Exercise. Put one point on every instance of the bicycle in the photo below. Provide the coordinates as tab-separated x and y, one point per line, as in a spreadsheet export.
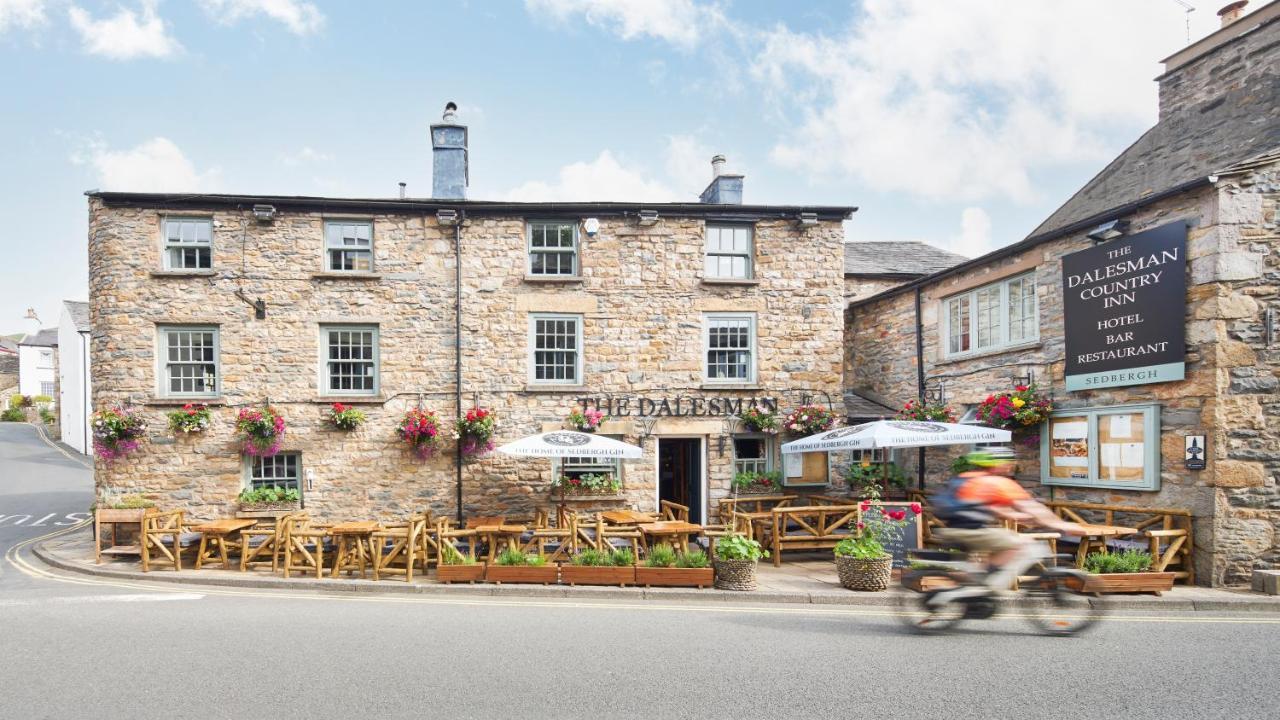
947	591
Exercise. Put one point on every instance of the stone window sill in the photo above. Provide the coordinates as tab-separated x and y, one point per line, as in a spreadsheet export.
730	386
348	399
157	401
990	353
747	282
372	277
552	279
535	388
183	273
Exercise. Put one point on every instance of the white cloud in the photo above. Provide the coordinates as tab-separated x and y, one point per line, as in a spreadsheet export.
601	179
21	14
301	18
975	234
680	22
156	165
125	35
307	155
966	99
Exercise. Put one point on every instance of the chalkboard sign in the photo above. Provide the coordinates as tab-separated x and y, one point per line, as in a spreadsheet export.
912	534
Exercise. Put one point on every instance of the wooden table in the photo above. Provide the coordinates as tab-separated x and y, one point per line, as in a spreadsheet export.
355	545
1095	538
501	533
627	517
487	520
214	536
678	530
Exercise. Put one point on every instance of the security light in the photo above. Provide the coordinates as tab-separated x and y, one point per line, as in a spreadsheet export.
264	213
447	217
1109	230
648	217
808	218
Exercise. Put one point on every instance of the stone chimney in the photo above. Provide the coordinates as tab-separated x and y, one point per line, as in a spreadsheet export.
1232	59
449	169
725	188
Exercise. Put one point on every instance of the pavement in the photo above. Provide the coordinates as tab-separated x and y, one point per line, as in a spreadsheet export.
90	645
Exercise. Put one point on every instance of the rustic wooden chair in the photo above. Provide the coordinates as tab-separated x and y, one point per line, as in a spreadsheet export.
673	511
395	546
616	537
456	539
157	527
262	545
562	541
303	545
813	527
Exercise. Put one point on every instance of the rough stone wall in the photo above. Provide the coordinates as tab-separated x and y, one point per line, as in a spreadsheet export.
640	295
1224	274
1232	65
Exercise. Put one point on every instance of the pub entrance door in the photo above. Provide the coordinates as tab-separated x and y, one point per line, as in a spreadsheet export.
680	474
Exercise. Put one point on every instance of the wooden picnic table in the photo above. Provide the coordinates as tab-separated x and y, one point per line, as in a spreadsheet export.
486	520
501	534
678	530
1095	538
627	517
355	545
214	535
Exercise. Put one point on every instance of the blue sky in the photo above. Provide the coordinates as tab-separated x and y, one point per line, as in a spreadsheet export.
962	123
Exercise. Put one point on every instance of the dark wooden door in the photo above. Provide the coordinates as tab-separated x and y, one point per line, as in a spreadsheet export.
680	473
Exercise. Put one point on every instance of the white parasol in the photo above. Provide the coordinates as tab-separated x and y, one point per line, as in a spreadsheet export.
568	443
895	434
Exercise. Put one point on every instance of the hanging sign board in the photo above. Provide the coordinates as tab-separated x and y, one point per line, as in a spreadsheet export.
1124	310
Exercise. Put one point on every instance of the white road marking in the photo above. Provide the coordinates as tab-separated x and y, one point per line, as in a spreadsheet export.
96	599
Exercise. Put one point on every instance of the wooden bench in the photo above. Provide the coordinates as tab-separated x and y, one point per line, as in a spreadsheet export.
1166	533
810	527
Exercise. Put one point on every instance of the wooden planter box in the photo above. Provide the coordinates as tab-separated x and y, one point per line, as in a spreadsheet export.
109	515
675	577
597	575
926	583
1152	582
460	573
538	574
270	507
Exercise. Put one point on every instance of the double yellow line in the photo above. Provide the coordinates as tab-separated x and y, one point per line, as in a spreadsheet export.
14	557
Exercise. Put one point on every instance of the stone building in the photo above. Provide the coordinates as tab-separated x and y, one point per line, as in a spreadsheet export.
1208	175
671	318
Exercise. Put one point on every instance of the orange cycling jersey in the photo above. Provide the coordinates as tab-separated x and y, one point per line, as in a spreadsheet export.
984	489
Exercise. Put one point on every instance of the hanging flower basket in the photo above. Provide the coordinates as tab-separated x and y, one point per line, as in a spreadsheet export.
344	417
261	431
586	420
809	420
474	432
192	418
757	420
1021	412
420	429
926	412
117	432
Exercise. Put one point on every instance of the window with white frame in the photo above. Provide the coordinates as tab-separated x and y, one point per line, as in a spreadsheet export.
348	246
729	252
874	456
576	467
730	341
188	243
350	359
553	248
992	316
751	455
188	361
46	388
281	471
555	349
46	359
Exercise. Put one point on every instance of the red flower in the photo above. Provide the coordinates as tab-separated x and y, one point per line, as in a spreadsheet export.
861	525
898	515
915	508
1021	388
865	505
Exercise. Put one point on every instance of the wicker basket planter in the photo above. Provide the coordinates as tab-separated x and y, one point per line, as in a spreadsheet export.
675	577
736	574
597	575
859	574
533	574
470	573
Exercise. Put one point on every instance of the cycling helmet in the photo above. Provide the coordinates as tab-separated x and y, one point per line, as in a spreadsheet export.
990	457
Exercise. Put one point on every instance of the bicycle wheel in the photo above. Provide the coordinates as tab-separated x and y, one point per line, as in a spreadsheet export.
916	612
1057	608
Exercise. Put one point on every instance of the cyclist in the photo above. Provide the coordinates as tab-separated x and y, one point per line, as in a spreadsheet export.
974	504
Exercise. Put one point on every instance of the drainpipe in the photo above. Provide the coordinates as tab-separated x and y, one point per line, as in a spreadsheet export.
84	389
457	345
919	385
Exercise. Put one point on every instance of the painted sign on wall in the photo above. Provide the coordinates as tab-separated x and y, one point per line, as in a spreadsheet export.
1124	307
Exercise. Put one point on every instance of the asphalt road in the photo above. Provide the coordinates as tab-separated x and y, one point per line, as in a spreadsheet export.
74	647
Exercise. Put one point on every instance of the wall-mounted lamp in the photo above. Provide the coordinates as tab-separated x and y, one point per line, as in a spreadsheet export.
807	218
648	217
1029	379
1109	231
937	394
591	226
264	213
445	216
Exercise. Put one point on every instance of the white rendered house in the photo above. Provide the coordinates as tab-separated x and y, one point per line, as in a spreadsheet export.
74	400
38	365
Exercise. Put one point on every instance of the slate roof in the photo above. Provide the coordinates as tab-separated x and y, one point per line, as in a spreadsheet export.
8	364
909	258
8	345
858	406
79	313
47	337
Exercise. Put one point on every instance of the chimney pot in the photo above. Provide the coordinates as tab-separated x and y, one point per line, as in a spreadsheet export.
449	167
1232	12
717	165
402	190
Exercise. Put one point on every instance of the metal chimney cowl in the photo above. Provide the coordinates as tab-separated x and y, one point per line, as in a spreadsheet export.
450	173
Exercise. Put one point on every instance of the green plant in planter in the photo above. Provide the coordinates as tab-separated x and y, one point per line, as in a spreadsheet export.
869	480
13	414
590	557
661	556
1127	561
513	557
449	555
757	482
268	496
124	502
878	528
622	557
693	559
739	547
